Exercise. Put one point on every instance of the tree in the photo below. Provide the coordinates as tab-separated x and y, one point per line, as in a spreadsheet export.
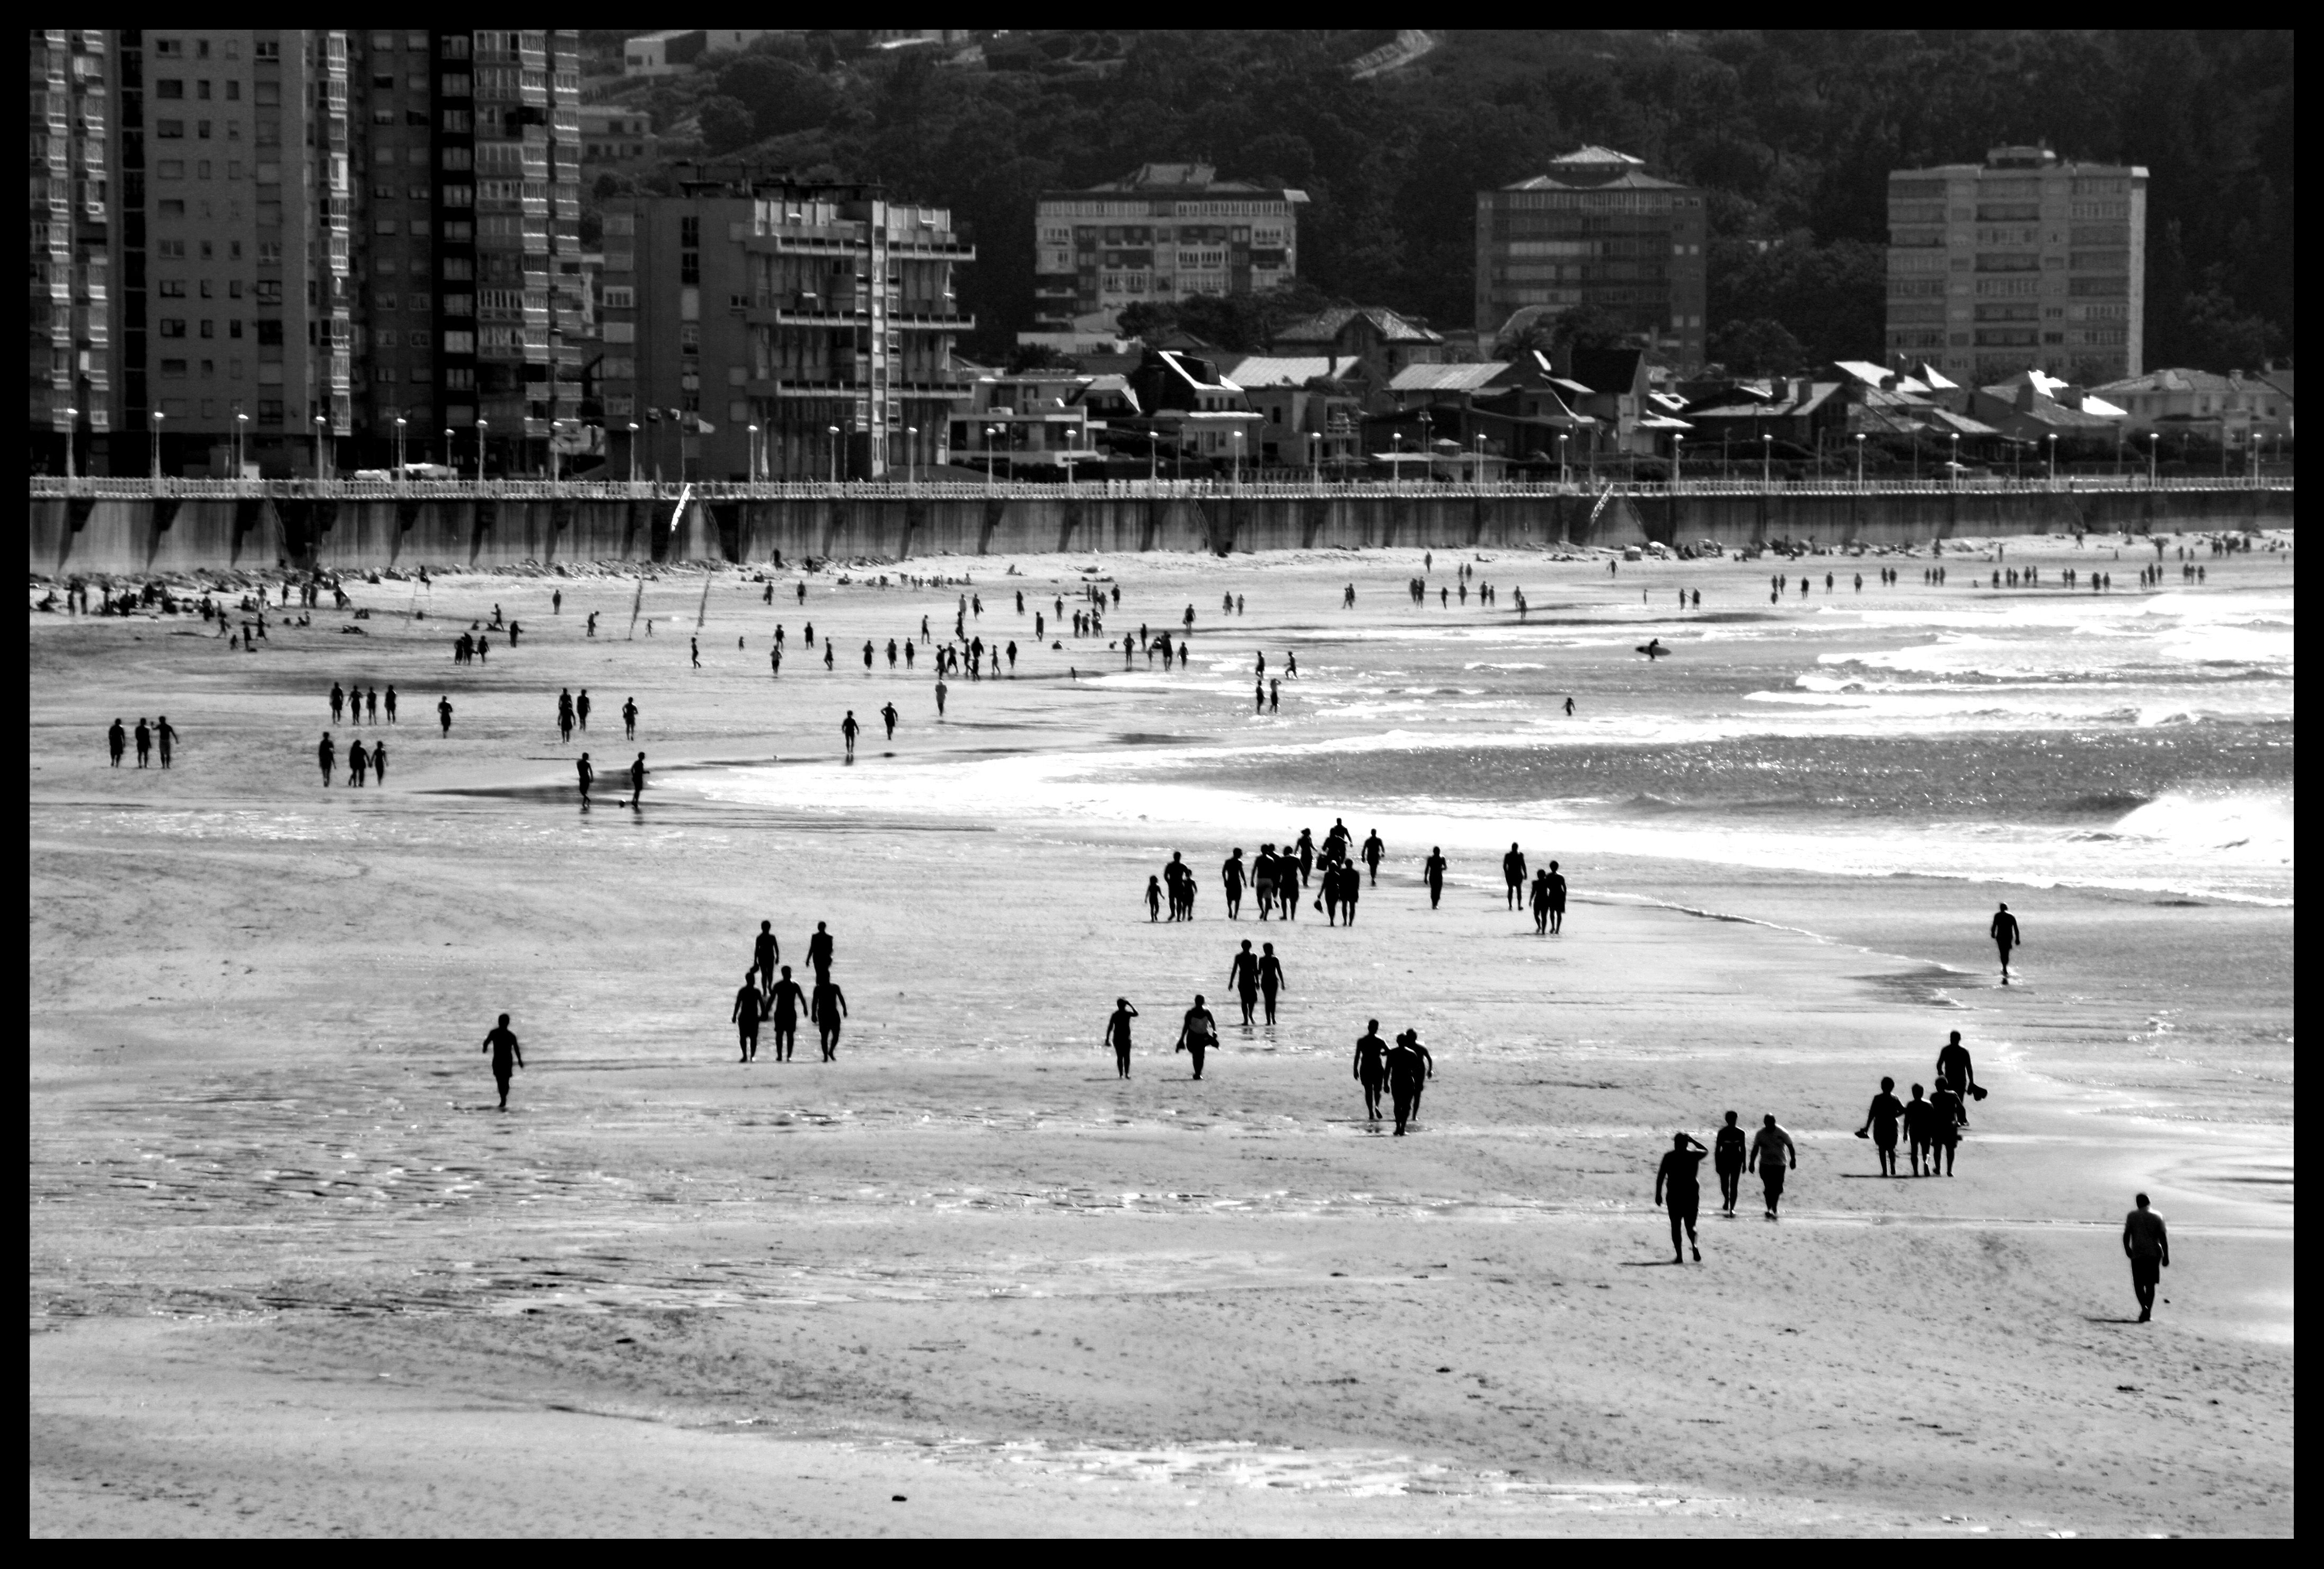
1036	356
1758	347
726	126
782	96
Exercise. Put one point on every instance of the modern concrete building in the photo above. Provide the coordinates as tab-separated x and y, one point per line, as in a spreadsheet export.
75	388
2022	261
1156	235
612	136
823	314
1596	229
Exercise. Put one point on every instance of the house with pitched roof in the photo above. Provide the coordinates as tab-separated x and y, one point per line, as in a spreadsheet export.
1381	341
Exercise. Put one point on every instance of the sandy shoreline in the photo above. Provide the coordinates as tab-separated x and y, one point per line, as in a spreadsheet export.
288	1273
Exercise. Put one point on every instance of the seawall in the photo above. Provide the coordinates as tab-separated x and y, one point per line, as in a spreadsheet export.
131	534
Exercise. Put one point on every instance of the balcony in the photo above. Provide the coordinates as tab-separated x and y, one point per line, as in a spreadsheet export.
930	321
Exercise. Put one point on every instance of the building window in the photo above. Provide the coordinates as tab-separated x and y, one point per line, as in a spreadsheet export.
173	327
173	368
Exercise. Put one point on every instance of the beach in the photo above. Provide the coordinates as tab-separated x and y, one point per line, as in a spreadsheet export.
292	1272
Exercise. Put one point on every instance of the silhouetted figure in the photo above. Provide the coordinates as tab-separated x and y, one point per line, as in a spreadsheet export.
766	952
507	1056
1773	1152
750	1008
116	742
1409	1068
1880	1120
783	1005
1556	901
2147	1245
1242	975
820	951
1680	1178
1271	979
1369	1067
638	773
827	1006
1198	1033
1434	869
1233	873
888	712
2004	932
1727	1161
1117	1027
165	736
1373	851
325	754
1919	1131
849	730
1513	875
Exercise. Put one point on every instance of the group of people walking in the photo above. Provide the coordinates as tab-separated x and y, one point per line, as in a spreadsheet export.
117	739
770	995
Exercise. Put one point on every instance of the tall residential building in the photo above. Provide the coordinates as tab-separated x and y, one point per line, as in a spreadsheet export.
1597	229
823	314
470	171
75	318
2024	261
228	213
1162	233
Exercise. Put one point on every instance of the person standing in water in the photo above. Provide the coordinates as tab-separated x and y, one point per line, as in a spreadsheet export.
1727	1161
887	714
2146	1243
848	731
1117	1034
1880	1121
2004	935
1680	1175
507	1056
1771	1150
750	1008
1197	1034
1434	870
1370	1067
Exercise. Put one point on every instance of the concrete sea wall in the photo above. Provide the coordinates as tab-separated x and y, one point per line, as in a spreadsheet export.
119	535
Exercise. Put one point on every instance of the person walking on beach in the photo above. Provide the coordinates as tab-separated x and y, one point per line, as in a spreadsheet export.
1727	1161
586	774
1409	1068
783	1007
1919	1132
1154	900
1231	873
1945	1118
1556	901
1539	899
379	763
693	650
1434	870
2004	932
580	706
1513	875
1117	1034
887	714
1197	1034
325	754
750	1008
849	730
444	714
1880	1121
1374	849
164	736
145	743
629	718
1680	1176
1243	976
507	1056
2147	1245
338	701
827	1006
1370	1067
819	951
637	771
1271	979
765	953
371	705
1352	886
1773	1152
358	763
116	742
941	691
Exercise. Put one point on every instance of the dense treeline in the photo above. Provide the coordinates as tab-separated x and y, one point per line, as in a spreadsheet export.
1793	132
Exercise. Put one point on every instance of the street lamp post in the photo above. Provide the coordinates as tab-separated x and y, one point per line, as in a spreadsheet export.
834	454
634	452
553	425
1860	460
911	456
483	429
1766	461
752	461
320	422
154	419
1953	468
399	423
989	432
2053	460
1236	436
72	425
2152	458
1678	462
1563	477
241	443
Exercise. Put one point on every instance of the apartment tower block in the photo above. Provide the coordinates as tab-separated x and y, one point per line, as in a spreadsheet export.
2022	261
1156	235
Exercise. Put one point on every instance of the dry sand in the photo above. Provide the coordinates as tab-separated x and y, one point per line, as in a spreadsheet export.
290	1273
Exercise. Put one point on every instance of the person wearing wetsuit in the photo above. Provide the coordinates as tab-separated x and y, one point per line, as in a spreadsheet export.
2005	934
1117	1033
783	1006
750	1008
1556	901
2146	1243
1434	870
1408	1069
1270	979
507	1056
828	1006
1370	1067
1243	976
1513	875
1881	1121
1198	1033
1231	873
1727	1160
765	953
1680	1176
1373	851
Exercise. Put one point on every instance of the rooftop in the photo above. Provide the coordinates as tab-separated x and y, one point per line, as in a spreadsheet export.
1326	327
1466	378
1595	168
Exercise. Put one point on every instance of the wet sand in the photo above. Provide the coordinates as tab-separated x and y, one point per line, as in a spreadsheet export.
292	1273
